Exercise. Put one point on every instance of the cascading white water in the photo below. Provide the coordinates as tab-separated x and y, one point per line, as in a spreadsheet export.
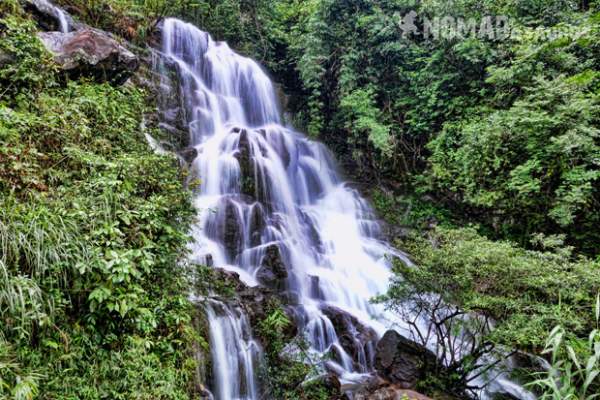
324	233
272	208
60	15
234	352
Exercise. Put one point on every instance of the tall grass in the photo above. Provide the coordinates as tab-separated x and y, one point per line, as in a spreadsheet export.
575	365
38	251
15	383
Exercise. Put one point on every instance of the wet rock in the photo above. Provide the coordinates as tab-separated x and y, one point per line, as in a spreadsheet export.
244	158
188	154
355	338
202	357
530	362
274	261
232	235
5	59
402	361
315	288
47	15
393	232
253	300
290	297
311	231
91	53
253	183
257	225
257	302
178	135
172	110
272	272
229	278
155	35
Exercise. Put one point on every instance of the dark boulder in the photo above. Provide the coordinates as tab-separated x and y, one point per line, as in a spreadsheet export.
188	155
272	272
232	233
402	361
91	53
257	224
244	158
356	339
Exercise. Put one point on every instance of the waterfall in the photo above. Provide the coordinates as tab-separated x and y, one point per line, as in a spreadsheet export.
273	208
61	16
235	354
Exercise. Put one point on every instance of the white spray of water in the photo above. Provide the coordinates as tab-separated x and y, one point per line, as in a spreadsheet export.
267	193
59	14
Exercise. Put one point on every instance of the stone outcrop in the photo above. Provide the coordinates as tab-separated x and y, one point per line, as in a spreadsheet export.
171	112
232	235
355	338
272	272
402	361
188	155
91	53
244	158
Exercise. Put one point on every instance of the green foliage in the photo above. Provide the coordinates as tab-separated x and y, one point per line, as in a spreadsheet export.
289	367
131	19
575	365
25	65
527	292
360	113
15	383
92	239
409	211
503	132
532	166
208	281
525	161
376	96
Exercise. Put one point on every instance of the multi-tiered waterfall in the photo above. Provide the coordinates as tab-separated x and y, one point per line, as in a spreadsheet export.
272	208
267	191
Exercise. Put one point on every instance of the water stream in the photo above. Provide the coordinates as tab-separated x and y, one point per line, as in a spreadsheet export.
61	16
274	209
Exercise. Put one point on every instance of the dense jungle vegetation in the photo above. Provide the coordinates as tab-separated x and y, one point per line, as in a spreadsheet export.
486	151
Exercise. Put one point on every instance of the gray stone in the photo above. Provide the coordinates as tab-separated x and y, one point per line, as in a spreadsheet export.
91	53
356	339
402	361
272	272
